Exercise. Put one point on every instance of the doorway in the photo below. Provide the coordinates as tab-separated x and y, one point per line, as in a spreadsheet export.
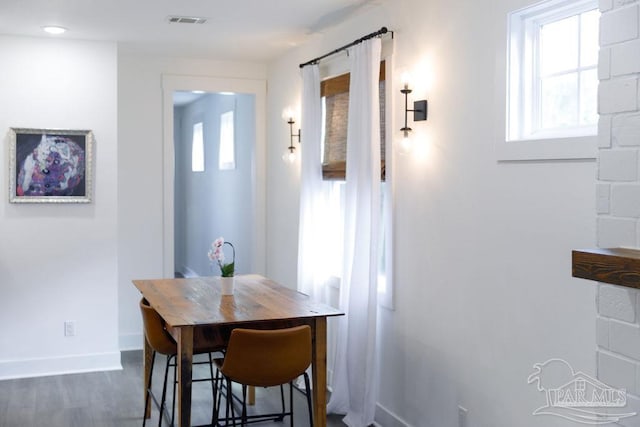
214	136
203	202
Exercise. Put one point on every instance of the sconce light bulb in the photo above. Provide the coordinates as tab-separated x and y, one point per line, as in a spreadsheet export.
287	114
406	79
289	155
406	143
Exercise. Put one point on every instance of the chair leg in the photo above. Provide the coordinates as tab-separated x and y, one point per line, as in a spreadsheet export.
216	392
163	401
213	386
307	387
291	402
230	403
244	406
281	417
147	395
218	402
175	384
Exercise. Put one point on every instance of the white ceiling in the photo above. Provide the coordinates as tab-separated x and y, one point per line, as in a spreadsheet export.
252	30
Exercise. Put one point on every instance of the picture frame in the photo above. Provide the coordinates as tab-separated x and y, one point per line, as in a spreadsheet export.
50	165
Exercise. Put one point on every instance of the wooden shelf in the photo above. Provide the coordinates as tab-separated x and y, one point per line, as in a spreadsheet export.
618	266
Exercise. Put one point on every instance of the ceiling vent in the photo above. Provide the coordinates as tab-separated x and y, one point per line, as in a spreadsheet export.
186	20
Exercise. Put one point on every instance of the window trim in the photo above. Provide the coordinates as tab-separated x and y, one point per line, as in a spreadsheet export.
575	148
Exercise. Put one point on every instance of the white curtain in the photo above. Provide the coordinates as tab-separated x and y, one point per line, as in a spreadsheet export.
354	376
310	236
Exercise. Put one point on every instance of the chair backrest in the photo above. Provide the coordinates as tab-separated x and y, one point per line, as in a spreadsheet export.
154	331
265	358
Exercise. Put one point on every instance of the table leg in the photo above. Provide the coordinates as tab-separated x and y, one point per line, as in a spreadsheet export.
146	354
252	396
185	364
319	371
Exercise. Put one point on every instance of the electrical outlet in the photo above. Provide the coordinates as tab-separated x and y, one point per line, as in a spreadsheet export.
462	416
69	328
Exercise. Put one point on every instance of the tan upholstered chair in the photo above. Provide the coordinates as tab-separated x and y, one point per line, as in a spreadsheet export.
265	358
161	342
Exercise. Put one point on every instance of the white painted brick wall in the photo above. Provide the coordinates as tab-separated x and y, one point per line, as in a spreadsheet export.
602	332
604	131
621	3
618	95
618	194
624	338
616	302
603	198
625	129
625	58
618	165
604	63
605	5
617	371
619	25
615	232
625	200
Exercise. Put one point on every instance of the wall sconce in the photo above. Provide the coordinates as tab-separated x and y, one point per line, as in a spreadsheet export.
419	113
289	155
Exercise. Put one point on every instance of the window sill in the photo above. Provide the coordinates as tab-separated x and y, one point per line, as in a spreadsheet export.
582	147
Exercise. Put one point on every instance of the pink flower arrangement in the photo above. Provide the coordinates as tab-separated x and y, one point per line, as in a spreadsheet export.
216	254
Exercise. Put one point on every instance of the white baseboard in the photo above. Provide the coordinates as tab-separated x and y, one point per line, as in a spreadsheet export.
12	369
130	342
386	418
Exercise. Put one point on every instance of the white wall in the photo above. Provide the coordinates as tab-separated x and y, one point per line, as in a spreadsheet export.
59	262
214	202
140	170
483	265
618	194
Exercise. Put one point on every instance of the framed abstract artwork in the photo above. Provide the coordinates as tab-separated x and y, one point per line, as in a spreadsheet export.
50	166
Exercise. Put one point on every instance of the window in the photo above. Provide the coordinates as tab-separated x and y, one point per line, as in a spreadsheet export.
335	107
227	155
568	79
332	255
197	148
552	73
335	104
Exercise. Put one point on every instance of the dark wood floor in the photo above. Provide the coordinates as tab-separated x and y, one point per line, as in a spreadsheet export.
114	399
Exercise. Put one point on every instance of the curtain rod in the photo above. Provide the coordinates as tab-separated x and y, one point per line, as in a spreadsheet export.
380	32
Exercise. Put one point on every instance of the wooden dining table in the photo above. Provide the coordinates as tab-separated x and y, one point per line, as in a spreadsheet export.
195	307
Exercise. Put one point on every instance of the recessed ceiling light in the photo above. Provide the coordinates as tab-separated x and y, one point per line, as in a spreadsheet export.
53	29
197	92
